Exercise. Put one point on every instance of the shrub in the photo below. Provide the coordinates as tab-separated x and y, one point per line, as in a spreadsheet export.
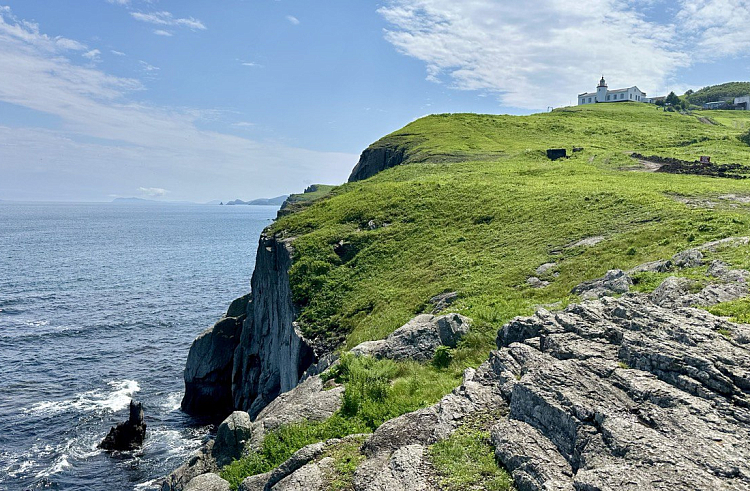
443	357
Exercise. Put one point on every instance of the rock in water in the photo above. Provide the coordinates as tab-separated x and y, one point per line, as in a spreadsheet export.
128	435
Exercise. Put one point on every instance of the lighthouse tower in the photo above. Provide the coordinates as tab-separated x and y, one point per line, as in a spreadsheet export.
601	91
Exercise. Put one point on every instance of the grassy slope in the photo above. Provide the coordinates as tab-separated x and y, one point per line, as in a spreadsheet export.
482	227
723	92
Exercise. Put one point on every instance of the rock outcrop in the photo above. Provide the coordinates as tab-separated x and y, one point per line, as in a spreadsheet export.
256	351
418	339
272	355
377	159
208	371
129	435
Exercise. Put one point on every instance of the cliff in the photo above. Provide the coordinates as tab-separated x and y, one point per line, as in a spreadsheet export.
590	341
255	352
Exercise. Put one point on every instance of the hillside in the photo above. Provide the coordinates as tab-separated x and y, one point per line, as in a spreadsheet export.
723	92
472	205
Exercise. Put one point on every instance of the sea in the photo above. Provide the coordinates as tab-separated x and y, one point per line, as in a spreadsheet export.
99	304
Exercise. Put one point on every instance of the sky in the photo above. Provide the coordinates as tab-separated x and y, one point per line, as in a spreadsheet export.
215	100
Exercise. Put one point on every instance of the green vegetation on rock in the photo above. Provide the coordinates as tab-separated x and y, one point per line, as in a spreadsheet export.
723	92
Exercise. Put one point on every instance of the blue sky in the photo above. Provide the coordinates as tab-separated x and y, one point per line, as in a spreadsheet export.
200	100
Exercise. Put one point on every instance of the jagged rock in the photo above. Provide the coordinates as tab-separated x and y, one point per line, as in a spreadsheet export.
676	291
546	268
653	267
377	159
403	470
615	281
671	291
255	483
231	437
208	482
309	401
726	242
272	354
535	282
129	435
418	339
688	259
208	371
587	242
443	301
655	426
200	462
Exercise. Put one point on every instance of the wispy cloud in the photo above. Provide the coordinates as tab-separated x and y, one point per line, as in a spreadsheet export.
292	19
105	142
147	66
119	2
167	19
117	53
94	55
534	54
162	32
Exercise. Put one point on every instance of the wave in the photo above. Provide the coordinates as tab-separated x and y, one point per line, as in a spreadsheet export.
94	400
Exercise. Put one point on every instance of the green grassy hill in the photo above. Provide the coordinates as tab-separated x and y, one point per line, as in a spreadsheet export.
723	92
476	209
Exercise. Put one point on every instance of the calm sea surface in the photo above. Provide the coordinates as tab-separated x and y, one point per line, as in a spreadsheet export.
99	303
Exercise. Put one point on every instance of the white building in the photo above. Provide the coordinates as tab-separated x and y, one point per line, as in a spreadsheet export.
603	94
742	102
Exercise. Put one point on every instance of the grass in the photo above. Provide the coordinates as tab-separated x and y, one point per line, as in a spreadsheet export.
466	461
476	209
375	391
737	310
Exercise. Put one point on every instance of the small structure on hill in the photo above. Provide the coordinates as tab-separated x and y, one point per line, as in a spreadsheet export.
603	94
715	105
742	103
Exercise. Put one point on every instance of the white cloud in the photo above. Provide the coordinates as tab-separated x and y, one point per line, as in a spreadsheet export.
119	2
162	32
251	64
293	20
720	27
117	53
167	19
93	55
533	54
152	192
102	142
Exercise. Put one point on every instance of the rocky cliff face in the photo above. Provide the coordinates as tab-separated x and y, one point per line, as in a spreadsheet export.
376	159
255	352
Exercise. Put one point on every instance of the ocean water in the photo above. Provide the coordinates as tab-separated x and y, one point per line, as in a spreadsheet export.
99	303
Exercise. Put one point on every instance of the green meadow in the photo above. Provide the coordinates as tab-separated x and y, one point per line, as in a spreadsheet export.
476	208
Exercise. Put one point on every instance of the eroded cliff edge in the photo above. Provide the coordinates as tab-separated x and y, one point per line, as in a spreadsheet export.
255	352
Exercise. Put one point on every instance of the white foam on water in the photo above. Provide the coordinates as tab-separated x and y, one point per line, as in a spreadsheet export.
60	464
116	399
172	402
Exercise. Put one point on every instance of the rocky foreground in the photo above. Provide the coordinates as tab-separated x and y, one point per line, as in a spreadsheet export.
636	392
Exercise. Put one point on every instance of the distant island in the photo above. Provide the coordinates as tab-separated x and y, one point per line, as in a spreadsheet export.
277	201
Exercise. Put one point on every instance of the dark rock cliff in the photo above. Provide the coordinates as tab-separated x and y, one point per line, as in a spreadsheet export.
255	352
377	159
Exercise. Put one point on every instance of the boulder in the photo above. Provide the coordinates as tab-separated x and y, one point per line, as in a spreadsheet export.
442	301
535	282
231	437
208	371
199	463
546	268
129	435
208	482
616	281
418	339
688	259
255	483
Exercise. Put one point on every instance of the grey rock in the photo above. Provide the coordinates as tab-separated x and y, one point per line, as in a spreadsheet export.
272	354
300	458
418	339
672	291
688	259
653	267
231	437
306	402
255	483
129	435
200	462
623	394
724	243
587	242
208	482
616	281
443	301
239	306
307	478
676	292
377	158
403	470
535	282
546	268
208	371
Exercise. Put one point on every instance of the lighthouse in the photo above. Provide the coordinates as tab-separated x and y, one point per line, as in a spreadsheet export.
601	90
